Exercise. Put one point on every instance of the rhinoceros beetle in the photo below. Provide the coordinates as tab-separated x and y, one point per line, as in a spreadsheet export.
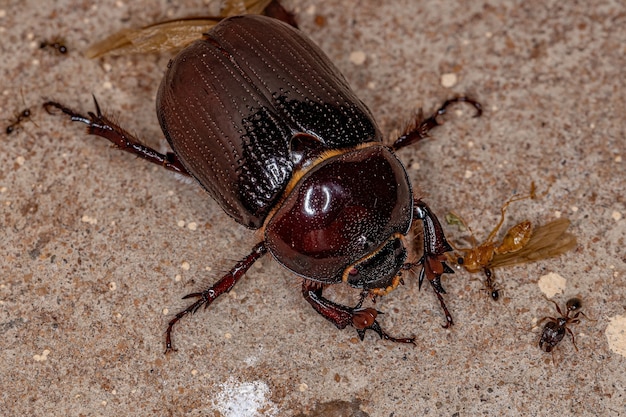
262	119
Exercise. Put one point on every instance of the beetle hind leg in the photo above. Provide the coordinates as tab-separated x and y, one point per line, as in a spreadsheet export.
100	125
361	319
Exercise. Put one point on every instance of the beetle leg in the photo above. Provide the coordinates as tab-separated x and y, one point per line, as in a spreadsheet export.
435	248
225	284
420	129
361	319
277	11
100	125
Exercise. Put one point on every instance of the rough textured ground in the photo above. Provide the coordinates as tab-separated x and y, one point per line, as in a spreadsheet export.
98	247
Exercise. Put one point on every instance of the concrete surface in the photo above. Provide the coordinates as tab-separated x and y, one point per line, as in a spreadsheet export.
99	247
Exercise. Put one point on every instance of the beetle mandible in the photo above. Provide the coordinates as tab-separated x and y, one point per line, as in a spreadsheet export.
262	119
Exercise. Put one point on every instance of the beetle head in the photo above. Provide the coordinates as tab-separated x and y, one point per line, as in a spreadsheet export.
378	270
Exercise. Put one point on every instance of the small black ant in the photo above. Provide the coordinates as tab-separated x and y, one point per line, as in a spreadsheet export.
57	45
490	285
554	330
19	118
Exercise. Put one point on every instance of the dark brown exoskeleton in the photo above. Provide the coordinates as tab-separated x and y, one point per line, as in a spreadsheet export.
269	127
555	328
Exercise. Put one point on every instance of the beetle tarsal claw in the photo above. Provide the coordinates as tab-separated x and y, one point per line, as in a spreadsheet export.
365	319
383	335
74	116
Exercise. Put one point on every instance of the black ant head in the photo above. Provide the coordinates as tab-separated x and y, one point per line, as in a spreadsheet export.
574	304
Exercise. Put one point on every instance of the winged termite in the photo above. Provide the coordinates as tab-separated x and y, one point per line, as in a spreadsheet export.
521	244
176	34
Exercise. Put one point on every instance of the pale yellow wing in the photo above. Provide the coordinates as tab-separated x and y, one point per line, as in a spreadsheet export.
547	241
171	35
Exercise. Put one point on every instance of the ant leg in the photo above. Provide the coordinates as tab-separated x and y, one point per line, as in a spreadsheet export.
419	130
540	322
100	125
555	305
225	284
361	319
573	339
531	195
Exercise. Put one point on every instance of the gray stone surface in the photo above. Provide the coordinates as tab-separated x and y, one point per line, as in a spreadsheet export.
99	247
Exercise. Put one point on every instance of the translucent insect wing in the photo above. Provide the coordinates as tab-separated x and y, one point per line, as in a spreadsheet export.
547	241
170	35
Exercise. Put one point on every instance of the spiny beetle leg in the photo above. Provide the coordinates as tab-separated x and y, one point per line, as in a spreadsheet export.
433	260
420	129
361	319
100	125
225	284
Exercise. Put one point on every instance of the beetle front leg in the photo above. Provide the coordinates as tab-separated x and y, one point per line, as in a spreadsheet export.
225	284
433	259
361	319
420	129
100	125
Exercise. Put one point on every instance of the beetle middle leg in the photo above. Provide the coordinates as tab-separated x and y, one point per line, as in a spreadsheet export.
100	125
361	319
225	284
